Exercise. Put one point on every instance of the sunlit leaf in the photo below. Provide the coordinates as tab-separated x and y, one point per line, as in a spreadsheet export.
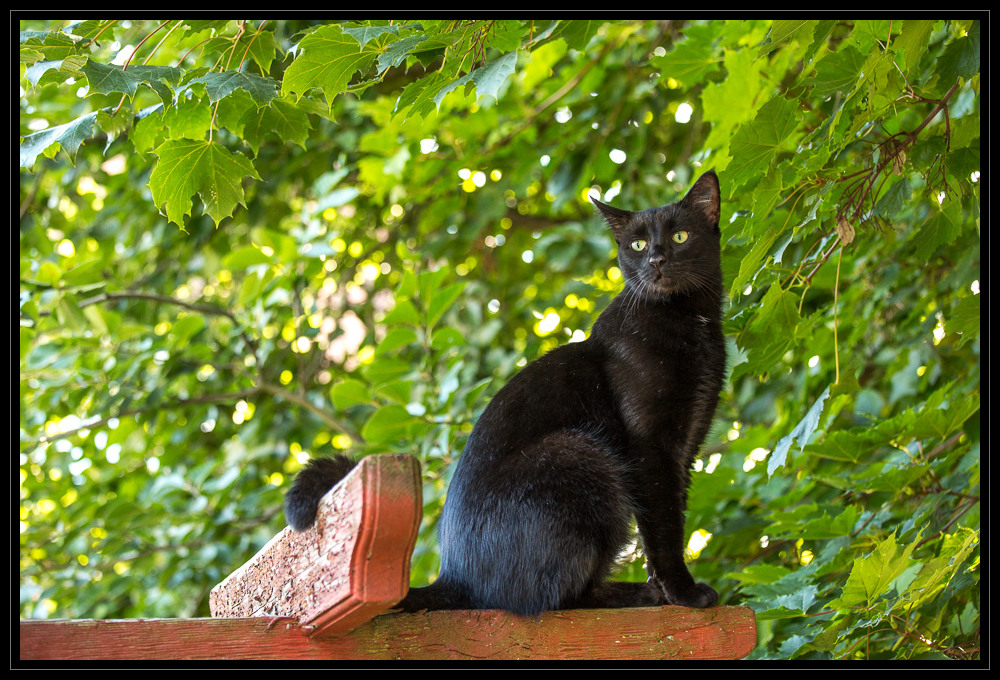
189	167
872	576
755	144
801	433
328	61
69	136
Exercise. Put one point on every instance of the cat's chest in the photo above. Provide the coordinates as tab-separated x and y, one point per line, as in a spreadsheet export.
661	377
665	361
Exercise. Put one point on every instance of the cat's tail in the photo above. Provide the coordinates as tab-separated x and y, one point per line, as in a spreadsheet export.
310	485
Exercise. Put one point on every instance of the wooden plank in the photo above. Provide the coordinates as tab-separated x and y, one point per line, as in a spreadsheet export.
653	633
352	564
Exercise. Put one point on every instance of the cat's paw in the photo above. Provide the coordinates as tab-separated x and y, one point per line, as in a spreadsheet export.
699	595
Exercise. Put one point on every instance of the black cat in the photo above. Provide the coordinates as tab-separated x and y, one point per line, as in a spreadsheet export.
586	437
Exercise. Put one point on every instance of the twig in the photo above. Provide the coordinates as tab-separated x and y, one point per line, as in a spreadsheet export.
180	403
202	308
333	423
896	145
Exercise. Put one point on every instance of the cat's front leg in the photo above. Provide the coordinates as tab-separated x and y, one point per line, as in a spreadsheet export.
660	520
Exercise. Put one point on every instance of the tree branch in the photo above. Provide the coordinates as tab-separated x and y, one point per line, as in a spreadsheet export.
329	420
201	308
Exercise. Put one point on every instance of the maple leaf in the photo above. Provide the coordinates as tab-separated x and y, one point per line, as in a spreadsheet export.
329	60
187	167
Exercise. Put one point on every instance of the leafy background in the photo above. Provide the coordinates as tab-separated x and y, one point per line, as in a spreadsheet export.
245	243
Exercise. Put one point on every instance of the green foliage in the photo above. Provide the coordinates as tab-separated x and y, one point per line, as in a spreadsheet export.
247	243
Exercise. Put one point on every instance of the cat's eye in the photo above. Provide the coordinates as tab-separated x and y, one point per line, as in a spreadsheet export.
638	245
680	237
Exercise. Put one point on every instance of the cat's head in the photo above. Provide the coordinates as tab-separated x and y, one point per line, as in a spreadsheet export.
673	249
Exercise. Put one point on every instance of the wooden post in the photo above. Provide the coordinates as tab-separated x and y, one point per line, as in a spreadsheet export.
352	564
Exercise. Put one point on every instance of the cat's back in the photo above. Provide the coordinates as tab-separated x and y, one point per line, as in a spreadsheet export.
564	388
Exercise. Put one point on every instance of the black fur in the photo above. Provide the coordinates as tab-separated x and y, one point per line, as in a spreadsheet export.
310	485
588	436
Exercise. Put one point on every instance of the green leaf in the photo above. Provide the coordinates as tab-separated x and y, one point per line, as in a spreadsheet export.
894	200
964	319
756	144
365	33
935	574
442	300
802	433
961	59
788	596
403	312
69	136
281	119
691	60
245	257
47	46
418	98
577	33
185	327
56	71
731	102
838	71
942	227
220	85
912	42
446	337
783	31
396	338
872	576
187	167
396	52
487	79
328	61
387	369
387	424
108	79
350	392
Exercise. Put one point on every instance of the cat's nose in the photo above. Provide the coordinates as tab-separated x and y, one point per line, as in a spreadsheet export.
657	260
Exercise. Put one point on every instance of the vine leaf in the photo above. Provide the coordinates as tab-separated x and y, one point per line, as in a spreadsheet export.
399	50
365	33
691	60
784	31
577	33
281	119
837	72
187	167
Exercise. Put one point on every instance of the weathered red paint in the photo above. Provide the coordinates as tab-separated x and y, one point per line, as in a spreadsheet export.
655	633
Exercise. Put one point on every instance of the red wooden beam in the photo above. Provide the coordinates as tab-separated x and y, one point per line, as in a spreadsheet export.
653	633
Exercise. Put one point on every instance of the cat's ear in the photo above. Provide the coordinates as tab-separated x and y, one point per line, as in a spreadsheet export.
704	197
615	217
